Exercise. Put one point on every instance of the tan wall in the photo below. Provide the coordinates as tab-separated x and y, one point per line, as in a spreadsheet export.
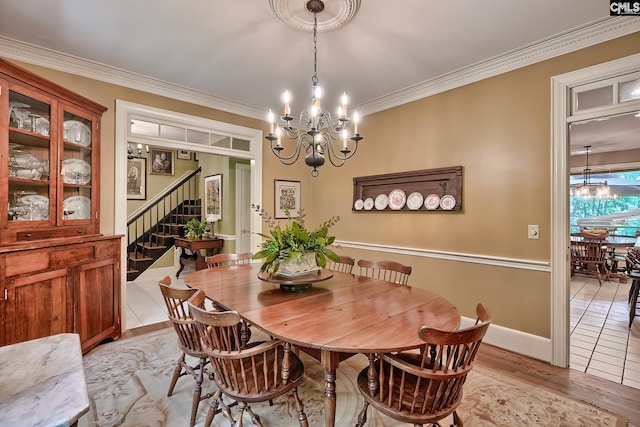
497	129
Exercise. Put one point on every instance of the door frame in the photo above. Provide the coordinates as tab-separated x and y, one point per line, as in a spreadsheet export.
242	215
123	115
560	171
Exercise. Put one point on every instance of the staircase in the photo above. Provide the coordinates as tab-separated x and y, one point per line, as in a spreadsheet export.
151	232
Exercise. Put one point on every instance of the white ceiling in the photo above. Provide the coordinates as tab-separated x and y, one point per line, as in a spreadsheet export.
241	52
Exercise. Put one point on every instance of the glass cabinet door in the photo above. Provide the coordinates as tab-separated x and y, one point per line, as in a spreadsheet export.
29	156
76	170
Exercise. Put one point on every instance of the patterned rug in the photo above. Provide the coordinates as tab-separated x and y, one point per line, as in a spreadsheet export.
128	380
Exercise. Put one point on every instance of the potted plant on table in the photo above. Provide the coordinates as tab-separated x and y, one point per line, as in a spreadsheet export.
293	248
196	228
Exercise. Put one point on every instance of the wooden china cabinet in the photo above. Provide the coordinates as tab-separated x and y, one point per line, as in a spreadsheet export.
58	273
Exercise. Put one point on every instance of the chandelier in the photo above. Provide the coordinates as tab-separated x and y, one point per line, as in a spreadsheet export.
315	131
601	189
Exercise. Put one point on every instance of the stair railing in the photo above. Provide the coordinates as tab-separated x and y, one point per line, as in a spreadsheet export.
146	226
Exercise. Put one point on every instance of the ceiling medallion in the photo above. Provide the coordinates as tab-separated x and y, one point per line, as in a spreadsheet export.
335	14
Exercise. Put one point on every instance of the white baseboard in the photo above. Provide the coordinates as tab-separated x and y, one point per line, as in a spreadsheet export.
519	342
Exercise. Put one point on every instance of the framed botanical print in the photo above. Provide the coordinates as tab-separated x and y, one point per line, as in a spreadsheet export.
184	154
136	179
161	161
213	197
287	198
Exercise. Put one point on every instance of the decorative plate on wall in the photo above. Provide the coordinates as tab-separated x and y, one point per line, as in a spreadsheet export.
414	201
368	204
431	202
448	202
397	199
358	205
381	202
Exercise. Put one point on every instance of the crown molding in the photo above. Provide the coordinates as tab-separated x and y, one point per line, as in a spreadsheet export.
591	34
36	55
596	32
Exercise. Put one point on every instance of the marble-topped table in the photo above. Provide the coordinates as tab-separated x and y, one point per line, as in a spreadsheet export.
42	382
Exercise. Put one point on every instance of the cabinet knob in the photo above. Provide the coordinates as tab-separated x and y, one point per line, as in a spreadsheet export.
28	235
79	231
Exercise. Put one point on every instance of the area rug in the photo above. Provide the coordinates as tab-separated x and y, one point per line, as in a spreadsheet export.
128	381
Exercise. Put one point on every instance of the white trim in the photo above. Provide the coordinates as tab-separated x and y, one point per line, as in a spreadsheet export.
560	279
33	54
450	256
123	113
516	341
596	32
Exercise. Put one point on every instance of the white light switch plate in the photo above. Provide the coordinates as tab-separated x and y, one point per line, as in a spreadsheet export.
533	232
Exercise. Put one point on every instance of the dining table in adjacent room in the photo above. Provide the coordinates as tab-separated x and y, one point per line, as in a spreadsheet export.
334	318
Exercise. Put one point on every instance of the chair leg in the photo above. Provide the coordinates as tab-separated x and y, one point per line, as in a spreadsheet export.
197	392
176	374
457	422
302	417
213	408
362	418
241	408
633	303
255	418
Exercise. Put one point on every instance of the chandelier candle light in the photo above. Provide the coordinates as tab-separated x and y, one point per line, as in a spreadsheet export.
316	131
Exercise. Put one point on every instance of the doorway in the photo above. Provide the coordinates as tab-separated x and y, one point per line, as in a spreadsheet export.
202	136
564	97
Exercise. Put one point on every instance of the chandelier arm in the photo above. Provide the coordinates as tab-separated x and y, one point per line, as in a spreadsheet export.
316	131
287	160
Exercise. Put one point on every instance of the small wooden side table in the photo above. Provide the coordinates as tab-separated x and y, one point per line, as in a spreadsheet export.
196	259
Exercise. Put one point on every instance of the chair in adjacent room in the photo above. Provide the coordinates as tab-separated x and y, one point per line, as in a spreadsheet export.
176	300
590	257
428	387
221	260
390	271
633	273
258	373
345	264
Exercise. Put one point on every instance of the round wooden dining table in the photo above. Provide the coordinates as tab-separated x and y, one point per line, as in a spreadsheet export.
331	320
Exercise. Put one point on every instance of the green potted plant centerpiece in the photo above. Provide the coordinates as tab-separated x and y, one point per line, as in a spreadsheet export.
293	248
196	228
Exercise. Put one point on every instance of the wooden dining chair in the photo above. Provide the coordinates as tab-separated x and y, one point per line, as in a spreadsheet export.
344	264
590	257
390	271
429	388
258	373
632	265
176	300
220	260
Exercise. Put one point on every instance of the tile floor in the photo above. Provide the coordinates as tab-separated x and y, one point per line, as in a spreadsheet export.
601	342
145	305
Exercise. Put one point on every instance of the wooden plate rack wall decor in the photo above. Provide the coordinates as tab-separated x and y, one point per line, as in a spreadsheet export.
440	181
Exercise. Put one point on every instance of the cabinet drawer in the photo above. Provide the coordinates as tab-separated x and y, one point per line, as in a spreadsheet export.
50	234
108	249
26	262
73	256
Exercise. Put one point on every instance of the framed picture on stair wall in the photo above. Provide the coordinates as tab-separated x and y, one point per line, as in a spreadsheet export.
136	179
213	197
161	162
